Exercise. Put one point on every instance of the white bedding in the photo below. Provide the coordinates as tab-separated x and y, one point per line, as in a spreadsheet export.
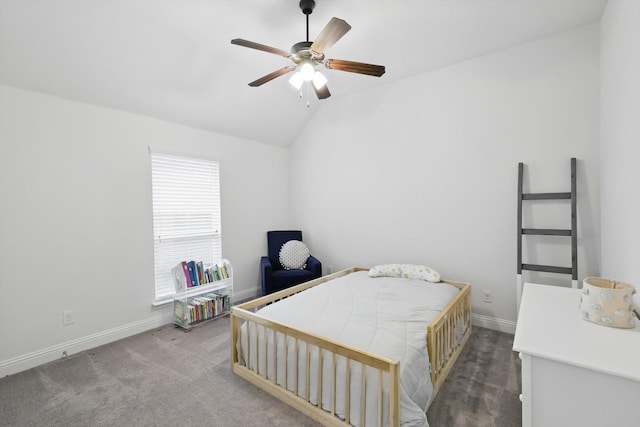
384	316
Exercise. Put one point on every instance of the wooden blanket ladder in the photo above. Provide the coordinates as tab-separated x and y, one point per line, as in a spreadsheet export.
573	270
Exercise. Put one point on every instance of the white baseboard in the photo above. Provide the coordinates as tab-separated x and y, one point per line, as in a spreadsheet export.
49	354
501	325
247	294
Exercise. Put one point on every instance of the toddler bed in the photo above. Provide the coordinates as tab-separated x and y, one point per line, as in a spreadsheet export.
347	349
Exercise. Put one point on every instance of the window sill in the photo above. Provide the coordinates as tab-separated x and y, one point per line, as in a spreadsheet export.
162	303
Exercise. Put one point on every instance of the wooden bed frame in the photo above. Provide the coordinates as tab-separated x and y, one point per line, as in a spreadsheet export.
442	343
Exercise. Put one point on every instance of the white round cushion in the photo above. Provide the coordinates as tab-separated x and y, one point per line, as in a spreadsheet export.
294	254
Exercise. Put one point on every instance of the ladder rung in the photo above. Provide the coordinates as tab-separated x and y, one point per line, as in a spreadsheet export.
546	232
545	196
547	268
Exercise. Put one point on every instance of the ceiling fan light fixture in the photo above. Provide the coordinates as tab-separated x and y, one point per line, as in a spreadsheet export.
307	55
307	71
296	80
319	80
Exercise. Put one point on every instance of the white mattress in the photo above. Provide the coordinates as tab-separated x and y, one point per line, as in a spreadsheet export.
384	316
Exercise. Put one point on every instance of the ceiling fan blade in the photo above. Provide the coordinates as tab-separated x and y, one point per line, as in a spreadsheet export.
355	67
330	34
271	76
262	47
323	92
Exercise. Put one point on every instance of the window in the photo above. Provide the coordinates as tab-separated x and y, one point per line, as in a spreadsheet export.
186	215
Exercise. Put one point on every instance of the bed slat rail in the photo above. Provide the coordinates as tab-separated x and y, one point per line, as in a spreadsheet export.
446	336
262	371
448	333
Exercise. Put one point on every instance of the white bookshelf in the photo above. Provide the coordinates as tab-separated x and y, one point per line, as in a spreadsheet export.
195	305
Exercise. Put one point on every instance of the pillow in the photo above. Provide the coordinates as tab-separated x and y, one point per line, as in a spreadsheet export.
411	271
386	270
294	254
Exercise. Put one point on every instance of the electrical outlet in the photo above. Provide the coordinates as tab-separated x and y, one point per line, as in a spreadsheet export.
486	296
68	317
329	269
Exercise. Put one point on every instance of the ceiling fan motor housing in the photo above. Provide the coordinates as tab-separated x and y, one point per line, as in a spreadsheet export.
302	51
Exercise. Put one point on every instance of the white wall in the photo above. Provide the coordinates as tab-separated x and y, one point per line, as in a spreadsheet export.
76	222
425	170
620	141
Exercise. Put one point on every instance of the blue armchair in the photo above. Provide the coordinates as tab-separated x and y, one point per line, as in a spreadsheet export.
274	276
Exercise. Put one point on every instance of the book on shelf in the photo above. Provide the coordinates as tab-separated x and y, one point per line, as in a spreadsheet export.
200	270
181	312
193	273
181	277
223	271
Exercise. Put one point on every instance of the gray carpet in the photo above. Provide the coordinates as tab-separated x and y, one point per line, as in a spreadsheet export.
482	389
167	377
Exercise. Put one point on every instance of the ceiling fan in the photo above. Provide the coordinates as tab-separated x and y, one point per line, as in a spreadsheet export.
306	55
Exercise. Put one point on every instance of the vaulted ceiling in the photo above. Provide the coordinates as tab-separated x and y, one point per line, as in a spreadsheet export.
173	59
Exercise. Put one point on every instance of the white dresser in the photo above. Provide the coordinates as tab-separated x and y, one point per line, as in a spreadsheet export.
574	373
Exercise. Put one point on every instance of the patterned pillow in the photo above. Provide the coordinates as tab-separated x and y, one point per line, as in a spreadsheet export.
294	254
411	271
385	270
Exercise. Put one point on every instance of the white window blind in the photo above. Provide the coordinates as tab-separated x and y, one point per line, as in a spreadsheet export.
186	215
